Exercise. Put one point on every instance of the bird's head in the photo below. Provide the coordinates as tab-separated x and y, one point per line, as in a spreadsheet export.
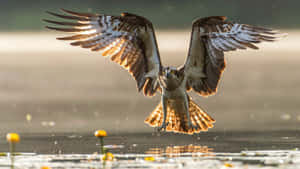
170	73
170	76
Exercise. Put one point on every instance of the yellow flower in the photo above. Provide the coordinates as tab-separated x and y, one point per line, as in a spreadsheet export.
149	159
13	137
100	133
3	154
108	157
228	165
45	167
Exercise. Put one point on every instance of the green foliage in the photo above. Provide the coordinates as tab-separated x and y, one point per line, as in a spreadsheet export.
27	15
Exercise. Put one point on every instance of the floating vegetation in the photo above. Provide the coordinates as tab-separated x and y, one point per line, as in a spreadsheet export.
101	134
108	157
12	139
246	159
149	159
175	156
228	165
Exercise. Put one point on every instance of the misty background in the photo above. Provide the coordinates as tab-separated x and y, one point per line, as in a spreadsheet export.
26	15
49	86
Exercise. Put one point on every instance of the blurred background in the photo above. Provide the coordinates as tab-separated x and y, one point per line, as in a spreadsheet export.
49	86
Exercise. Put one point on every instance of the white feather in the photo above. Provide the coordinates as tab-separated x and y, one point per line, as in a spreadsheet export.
216	43
234	43
212	42
88	32
245	37
224	43
218	28
227	42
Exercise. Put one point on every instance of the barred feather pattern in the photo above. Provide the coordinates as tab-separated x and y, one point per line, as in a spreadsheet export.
226	36
117	37
216	36
177	121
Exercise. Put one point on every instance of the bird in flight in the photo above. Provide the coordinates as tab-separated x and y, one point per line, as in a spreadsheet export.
130	41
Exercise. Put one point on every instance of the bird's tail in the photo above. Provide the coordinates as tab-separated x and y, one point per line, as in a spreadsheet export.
177	121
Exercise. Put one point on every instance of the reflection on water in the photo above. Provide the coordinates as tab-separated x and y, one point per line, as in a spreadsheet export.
179	151
287	159
209	150
164	144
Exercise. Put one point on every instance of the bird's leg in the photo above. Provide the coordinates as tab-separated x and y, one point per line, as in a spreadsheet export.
164	107
186	105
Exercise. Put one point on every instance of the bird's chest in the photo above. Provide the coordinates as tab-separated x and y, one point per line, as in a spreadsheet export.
176	94
175	99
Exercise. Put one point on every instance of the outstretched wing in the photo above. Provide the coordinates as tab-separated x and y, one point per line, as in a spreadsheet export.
128	40
211	37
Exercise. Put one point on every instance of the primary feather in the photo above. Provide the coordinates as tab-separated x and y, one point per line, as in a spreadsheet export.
128	40
211	37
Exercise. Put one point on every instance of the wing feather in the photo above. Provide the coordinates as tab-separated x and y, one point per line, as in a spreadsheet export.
77	37
71	30
128	40
69	17
66	23
211	37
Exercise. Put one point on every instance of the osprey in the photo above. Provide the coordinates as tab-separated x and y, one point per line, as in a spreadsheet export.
129	40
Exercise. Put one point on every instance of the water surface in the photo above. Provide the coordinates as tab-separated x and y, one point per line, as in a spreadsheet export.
140	143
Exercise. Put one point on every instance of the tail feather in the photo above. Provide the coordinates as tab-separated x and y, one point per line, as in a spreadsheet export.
178	122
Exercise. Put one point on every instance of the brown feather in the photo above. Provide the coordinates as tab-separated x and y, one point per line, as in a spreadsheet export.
131	59
177	121
114	49
208	85
66	23
69	17
80	14
147	86
74	30
106	52
250	45
98	47
118	55
259	29
77	37
124	57
131	56
92	46
240	46
209	20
